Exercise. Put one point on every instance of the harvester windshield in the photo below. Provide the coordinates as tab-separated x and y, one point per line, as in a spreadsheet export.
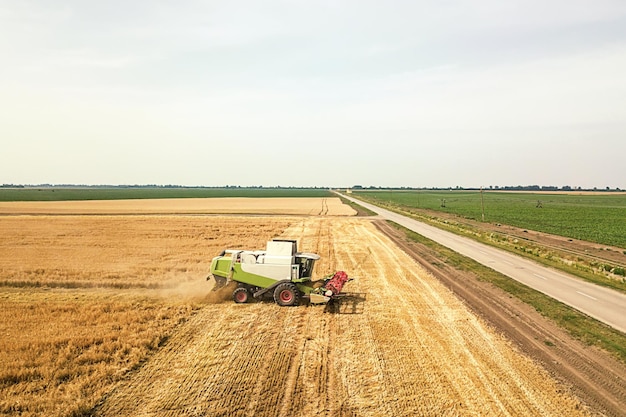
306	262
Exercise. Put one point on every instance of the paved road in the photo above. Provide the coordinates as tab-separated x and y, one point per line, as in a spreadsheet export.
603	304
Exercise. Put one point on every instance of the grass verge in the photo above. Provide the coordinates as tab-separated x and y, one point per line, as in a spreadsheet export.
360	210
578	325
593	217
579	265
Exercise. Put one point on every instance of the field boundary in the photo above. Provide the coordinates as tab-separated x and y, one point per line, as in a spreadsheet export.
592	374
588	264
594	218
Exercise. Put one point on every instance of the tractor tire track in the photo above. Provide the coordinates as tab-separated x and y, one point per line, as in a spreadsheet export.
412	349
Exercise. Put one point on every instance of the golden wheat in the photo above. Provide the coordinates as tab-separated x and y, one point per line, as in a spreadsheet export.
150	343
411	349
61	352
121	251
64	343
291	206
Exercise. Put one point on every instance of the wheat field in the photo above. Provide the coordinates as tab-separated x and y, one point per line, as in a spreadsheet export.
86	299
111	315
240	205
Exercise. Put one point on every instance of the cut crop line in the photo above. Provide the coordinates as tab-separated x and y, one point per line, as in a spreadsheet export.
587	295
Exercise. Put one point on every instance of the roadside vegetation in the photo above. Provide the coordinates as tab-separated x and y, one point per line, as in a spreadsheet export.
595	218
579	325
360	210
599	270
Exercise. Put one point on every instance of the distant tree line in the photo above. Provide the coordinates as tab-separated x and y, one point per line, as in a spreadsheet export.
491	187
354	187
175	186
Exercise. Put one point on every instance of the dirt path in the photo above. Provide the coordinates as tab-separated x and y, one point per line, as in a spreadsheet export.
411	348
594	376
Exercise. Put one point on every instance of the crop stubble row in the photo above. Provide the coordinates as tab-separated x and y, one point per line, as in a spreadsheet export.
413	349
66	344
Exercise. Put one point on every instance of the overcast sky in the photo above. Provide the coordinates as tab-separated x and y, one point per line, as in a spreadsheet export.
314	93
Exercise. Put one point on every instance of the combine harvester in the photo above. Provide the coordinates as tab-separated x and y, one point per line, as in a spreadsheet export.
279	271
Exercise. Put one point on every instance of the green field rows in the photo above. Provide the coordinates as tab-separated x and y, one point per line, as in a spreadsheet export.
597	218
123	193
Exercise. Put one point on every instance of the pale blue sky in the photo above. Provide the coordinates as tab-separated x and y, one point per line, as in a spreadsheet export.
314	93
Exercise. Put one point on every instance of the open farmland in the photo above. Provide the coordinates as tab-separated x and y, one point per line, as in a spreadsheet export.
153	341
599	263
236	205
86	299
119	251
595	217
57	193
61	351
410	349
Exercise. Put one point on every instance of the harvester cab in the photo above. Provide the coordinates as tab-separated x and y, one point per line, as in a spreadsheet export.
280	271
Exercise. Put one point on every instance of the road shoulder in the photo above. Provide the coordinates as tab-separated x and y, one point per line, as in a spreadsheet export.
592	375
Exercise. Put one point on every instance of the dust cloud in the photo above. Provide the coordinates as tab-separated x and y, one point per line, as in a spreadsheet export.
198	291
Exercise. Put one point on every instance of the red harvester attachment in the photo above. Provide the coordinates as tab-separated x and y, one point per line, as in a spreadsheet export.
336	283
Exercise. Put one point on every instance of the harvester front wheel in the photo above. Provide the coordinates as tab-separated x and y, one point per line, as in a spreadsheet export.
241	295
287	294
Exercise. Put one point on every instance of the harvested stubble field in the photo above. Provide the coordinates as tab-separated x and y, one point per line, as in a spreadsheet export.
238	205
408	348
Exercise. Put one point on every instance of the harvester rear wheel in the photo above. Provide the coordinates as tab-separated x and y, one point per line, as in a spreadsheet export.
287	294
241	295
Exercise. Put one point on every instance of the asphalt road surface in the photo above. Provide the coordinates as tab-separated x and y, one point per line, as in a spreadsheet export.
603	304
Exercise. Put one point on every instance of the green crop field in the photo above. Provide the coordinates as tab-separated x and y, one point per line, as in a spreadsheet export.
597	218
123	193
